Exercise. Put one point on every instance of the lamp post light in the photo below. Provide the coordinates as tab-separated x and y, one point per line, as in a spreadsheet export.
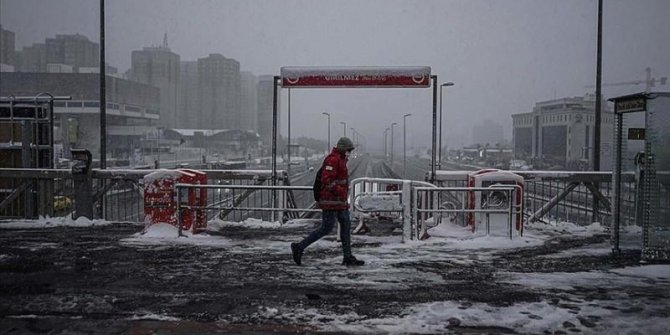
344	128
353	134
439	159
328	115
392	125
404	145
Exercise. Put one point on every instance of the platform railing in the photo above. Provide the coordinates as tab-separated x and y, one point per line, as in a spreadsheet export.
570	196
30	193
118	194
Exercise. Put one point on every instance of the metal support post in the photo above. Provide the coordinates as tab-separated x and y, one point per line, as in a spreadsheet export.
407	202
434	145
275	83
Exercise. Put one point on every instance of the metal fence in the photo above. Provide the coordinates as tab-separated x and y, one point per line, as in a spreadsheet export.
475	205
574	193
118	195
270	203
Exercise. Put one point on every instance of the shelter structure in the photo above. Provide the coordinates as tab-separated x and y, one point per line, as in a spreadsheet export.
642	144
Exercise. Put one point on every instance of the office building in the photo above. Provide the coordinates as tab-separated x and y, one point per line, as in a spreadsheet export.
219	92
265	100
188	89
160	67
249	103
559	134
132	108
7	49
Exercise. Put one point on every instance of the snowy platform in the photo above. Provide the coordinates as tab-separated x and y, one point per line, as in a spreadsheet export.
77	276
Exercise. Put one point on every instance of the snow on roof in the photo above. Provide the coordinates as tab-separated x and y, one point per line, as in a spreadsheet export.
207	132
161	174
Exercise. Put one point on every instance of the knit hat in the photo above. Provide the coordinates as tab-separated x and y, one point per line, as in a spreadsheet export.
345	144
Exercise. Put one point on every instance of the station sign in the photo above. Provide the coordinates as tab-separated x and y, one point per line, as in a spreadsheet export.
315	77
636	104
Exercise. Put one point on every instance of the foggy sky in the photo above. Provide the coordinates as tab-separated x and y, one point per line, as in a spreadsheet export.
503	56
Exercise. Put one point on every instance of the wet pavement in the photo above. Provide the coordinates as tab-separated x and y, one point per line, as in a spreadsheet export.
101	280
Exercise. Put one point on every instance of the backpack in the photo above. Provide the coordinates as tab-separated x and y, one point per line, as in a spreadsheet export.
316	188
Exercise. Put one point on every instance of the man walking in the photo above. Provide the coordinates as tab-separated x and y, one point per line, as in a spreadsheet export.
333	203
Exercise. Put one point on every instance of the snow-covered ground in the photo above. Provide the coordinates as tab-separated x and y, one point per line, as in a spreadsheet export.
601	299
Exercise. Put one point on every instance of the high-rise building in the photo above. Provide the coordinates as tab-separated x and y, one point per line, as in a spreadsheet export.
160	67
561	133
249	107
219	92
32	58
189	107
73	50
7	47
265	100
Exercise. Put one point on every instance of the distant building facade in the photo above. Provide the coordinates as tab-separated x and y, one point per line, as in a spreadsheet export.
73	50
188	89
265	100
61	54
249	103
219	92
561	133
132	108
32	58
7	48
160	67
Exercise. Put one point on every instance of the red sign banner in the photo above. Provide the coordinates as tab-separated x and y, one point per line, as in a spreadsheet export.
305	77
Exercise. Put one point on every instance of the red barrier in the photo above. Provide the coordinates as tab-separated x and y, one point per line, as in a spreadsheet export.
160	198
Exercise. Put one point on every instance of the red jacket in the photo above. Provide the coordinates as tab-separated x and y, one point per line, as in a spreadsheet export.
334	182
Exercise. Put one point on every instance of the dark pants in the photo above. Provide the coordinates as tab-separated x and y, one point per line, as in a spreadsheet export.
327	224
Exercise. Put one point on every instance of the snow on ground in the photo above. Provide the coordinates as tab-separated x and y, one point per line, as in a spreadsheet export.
604	313
49	222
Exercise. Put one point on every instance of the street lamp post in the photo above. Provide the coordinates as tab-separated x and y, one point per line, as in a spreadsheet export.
328	115
439	159
385	141
288	167
353	135
344	128
392	125
404	145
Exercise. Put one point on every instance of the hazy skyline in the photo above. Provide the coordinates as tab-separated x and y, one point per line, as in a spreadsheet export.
503	56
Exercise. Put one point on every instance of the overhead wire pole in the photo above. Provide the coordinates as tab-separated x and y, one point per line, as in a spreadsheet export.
432	154
275	83
385	141
328	115
439	159
598	117
103	109
404	145
103	91
392	156
288	153
274	130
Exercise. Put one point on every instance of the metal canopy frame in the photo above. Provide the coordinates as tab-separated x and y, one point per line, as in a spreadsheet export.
316	80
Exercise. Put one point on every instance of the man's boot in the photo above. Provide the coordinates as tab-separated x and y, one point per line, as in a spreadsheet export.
297	253
352	261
